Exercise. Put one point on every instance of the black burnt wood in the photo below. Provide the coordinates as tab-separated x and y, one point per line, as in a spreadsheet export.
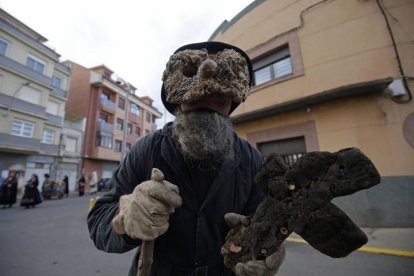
298	200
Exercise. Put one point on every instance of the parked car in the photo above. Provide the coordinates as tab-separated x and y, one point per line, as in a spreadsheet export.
103	184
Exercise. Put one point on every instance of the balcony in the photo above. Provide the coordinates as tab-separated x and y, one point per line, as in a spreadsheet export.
50	149
22	106
59	93
105	127
11	65
53	119
108	105
14	143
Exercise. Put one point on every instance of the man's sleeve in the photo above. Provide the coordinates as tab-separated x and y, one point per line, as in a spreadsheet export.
256	194
129	173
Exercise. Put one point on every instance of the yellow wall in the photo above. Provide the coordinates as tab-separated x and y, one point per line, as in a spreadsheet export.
341	43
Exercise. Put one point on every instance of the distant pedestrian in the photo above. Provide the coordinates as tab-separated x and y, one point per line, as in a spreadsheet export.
93	184
9	190
31	196
46	186
66	183
81	185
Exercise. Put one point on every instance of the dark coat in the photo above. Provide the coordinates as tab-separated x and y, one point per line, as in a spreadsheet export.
197	231
31	194
9	191
66	182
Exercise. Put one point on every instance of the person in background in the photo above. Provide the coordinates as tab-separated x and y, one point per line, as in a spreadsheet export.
93	184
66	183
1	182
81	185
9	190
204	184
31	196
46	185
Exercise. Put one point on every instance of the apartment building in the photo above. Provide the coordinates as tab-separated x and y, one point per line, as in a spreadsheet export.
330	75
116	116
34	88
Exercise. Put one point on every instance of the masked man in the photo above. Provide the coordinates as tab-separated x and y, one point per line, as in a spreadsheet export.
207	183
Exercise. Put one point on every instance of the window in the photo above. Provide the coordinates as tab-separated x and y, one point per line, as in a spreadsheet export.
103	117
30	94
53	108
104	140
119	124
129	128
276	60
121	103
36	64
128	147
138	131
48	136
290	149
70	144
134	109
105	96
148	117
273	66
4	45
22	128
118	146
56	81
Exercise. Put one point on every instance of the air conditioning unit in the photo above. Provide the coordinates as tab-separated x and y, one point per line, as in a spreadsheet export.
396	88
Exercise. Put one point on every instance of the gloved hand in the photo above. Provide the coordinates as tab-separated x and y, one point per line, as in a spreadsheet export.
144	214
266	267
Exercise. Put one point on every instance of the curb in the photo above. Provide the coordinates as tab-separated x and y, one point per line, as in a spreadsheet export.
369	249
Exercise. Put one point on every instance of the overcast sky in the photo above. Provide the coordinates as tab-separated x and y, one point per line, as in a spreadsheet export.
133	38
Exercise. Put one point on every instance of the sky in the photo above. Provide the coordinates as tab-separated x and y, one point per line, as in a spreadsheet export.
133	38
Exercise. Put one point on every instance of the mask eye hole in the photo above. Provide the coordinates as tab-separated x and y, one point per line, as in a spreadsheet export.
189	70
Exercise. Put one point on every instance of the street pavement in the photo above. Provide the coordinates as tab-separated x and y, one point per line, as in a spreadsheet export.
53	239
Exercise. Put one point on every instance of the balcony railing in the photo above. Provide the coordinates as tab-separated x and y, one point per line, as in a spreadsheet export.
105	127
50	149
29	73
15	103
17	143
54	119
24	70
108	105
60	93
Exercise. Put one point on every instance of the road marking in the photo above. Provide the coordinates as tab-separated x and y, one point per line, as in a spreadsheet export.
402	253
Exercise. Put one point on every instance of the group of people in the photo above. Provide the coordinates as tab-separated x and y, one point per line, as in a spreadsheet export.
31	195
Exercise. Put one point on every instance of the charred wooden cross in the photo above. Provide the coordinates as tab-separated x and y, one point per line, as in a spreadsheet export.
298	199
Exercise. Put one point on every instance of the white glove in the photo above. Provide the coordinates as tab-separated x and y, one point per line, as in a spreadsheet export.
144	214
266	267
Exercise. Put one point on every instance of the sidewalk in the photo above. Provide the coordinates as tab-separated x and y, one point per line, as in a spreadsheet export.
393	241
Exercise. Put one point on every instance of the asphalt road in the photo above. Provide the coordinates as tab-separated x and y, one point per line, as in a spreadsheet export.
52	239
